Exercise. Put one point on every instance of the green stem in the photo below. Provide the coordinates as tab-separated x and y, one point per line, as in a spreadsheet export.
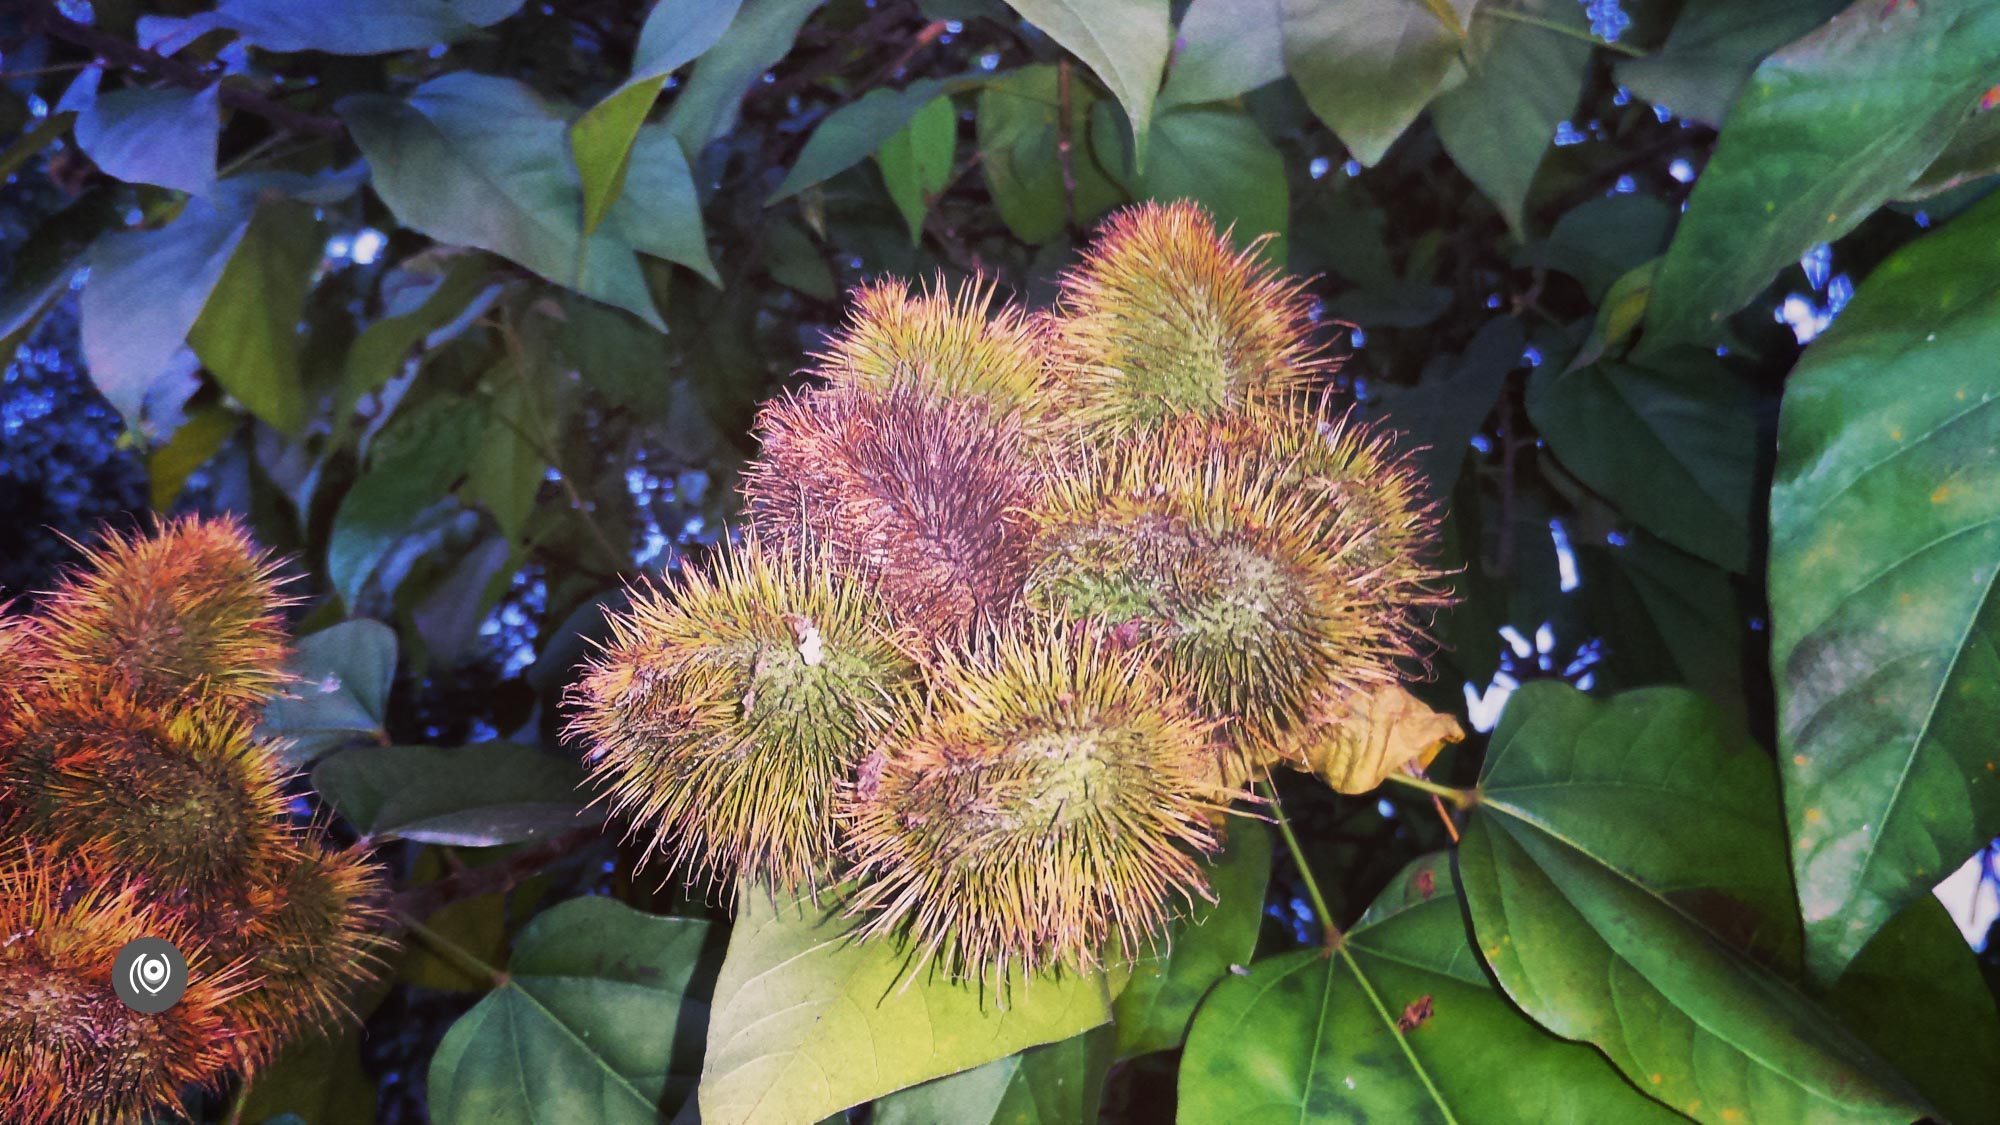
1327	927
1559	28
457	954
1460	798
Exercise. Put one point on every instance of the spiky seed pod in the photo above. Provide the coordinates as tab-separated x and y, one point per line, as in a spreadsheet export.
1052	801
71	1052
178	799
191	610
1165	317
308	931
725	711
950	343
919	494
1254	591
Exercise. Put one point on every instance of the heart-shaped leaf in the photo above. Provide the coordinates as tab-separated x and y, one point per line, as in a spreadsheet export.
476	796
339	692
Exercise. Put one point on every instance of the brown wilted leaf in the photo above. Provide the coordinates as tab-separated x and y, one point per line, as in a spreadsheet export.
1415	1014
1356	741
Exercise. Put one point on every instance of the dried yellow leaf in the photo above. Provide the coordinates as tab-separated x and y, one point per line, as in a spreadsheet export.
1355	741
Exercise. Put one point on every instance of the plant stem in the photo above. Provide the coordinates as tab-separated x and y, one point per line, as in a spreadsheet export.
456	954
1460	798
1559	28
1330	931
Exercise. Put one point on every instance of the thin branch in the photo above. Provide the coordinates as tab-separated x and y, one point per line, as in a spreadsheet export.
1330	932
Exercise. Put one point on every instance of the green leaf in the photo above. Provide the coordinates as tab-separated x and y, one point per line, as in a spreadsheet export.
33	141
1522	81
1220	159
1447	407
1917	996
414	463
1401	1025
1693	609
1125	42
507	465
1713	47
1675	449
1830	128
352	27
477	796
1603	240
146	290
1153	1011
1619	315
916	161
1018	135
1053	1084
675	33
1885	551
1225	48
339	692
808	1021
796	262
1973	154
1368	67
318	1078
413	314
850	133
247	335
1625	874
598	1020
165	136
502	153
200	437
757	38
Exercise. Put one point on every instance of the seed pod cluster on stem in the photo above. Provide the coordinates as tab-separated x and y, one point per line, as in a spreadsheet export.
137	800
1025	602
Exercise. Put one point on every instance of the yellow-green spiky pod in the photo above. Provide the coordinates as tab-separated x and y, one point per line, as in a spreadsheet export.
1051	802
189	611
71	1052
920	494
1257	594
952	343
726	710
1165	317
177	800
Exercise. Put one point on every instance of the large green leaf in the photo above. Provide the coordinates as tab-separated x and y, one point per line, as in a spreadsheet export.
339	692
482	161
1713	47
1830	128
757	38
1225	48
477	796
808	1021
1522	80
165	136
1053	1084
916	161
414	463
1153	1011
413	313
851	133
1217	157
1974	153
1440	415
1018	135
248	334
352	27
1125	42
599	1019
1625	874
1885	551
1368	67
675	33
1674	446
1679	616
1400	1025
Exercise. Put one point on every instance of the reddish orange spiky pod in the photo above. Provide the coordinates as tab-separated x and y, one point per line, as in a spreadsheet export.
1165	317
71	1052
954	344
191	610
919	494
1051	802
176	800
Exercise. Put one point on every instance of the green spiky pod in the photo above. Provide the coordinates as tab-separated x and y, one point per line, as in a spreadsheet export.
1051	802
919	494
951	343
177	800
307	929
1165	317
1257	594
71	1052
190	611
727	708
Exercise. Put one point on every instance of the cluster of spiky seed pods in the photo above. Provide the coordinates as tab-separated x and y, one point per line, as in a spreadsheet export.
136	800
1025	601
